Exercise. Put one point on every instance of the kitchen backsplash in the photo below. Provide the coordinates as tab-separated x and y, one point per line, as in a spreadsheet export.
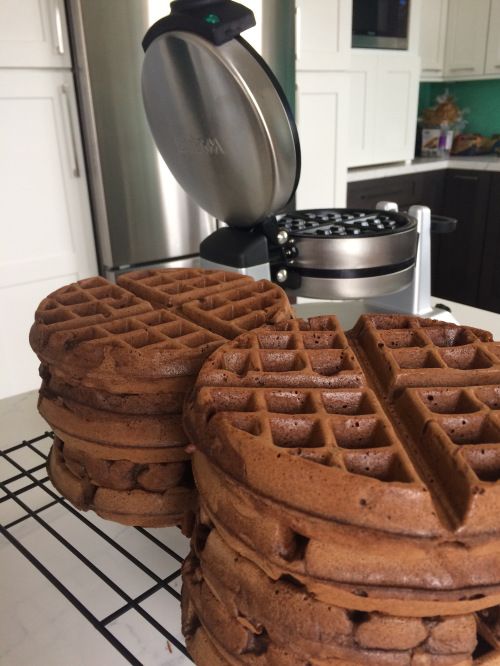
482	98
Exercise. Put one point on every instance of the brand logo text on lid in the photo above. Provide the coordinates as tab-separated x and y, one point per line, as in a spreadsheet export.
195	145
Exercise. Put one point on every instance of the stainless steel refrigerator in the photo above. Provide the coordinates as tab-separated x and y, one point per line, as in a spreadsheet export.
142	216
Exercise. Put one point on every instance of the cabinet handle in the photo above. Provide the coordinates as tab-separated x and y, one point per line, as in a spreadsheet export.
430	69
75	167
58	28
461	69
497	66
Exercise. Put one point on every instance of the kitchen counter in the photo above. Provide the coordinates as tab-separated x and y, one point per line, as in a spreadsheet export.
76	589
81	590
420	164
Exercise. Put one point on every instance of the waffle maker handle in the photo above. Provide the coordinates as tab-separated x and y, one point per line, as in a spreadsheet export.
217	21
441	224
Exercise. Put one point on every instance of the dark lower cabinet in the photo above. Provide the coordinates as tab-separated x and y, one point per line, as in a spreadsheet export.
420	188
489	281
457	267
465	263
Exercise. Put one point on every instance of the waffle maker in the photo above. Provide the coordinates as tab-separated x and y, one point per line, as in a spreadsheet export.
224	128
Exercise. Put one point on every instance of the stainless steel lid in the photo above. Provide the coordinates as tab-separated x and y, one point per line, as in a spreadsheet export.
222	125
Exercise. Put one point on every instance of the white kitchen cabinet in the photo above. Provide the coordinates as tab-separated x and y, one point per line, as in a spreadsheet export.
493	47
433	38
396	105
33	33
323	34
46	228
383	107
466	38
362	110
322	121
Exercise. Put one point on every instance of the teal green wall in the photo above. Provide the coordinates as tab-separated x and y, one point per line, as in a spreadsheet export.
481	97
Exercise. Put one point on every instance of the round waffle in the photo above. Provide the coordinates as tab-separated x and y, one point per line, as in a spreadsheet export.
117	362
110	338
367	490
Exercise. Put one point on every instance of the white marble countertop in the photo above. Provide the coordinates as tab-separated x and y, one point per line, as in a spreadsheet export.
79	590
420	164
76	589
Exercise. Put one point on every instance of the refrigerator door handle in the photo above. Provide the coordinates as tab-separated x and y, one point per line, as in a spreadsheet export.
58	27
75	167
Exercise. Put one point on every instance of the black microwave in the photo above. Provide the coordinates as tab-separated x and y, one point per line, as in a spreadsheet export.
380	24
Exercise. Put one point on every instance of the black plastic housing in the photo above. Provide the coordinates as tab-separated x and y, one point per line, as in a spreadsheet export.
218	21
234	247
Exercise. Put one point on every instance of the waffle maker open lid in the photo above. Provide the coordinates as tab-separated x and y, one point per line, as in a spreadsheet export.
218	116
224	127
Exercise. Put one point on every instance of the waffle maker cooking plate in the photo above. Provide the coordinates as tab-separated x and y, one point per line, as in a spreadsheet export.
225	129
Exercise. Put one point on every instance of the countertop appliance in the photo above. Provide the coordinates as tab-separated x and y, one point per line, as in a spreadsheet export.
380	24
142	216
224	127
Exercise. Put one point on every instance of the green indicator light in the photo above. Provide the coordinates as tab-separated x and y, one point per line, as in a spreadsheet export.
212	18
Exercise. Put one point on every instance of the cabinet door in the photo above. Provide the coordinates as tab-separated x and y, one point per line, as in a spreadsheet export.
489	285
322	121
493	46
433	37
396	103
362	109
47	237
33	33
458	265
466	37
323	34
383	107
399	189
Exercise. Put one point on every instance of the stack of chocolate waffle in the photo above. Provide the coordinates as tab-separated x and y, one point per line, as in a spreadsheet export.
116	363
349	503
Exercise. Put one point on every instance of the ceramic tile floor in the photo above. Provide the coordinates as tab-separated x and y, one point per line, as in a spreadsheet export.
76	589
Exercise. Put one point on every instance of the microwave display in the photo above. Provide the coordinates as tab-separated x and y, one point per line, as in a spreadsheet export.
381	24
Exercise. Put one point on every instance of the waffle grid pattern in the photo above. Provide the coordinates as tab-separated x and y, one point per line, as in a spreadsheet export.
317	355
87	302
346	430
227	303
468	419
428	353
106	313
346	224
178	287
200	309
311	355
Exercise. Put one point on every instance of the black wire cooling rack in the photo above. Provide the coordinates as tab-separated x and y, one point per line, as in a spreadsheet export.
29	477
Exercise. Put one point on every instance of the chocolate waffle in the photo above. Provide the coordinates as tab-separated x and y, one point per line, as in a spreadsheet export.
147	494
256	613
83	423
226	303
344	470
116	366
295	353
404	352
165	396
341	564
110	335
